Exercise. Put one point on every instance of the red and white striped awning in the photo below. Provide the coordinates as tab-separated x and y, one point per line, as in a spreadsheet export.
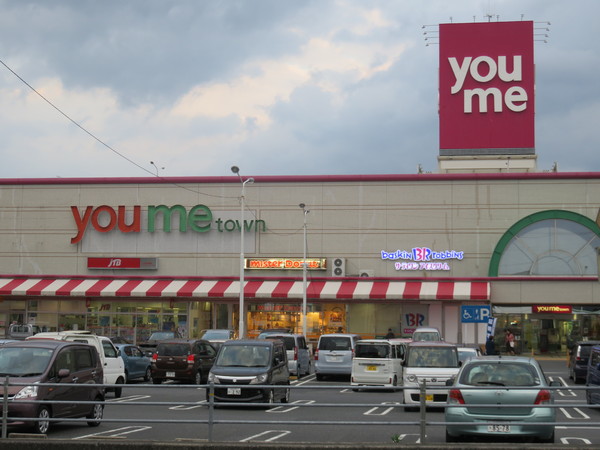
254	289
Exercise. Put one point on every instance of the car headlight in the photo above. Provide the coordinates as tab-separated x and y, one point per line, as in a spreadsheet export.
263	378
212	378
27	392
411	378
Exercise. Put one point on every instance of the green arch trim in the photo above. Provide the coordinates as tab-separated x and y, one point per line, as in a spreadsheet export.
529	220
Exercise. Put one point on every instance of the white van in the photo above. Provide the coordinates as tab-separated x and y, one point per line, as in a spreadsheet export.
432	363
112	363
298	353
378	362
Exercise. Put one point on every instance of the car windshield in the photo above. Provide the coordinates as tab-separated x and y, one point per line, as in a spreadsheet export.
466	353
335	343
372	350
432	357
500	374
216	334
426	336
243	356
23	362
162	335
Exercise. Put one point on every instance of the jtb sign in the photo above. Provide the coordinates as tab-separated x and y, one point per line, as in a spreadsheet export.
475	314
487	88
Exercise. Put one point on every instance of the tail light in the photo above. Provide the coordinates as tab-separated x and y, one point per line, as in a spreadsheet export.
190	359
455	396
543	397
316	358
295	353
154	357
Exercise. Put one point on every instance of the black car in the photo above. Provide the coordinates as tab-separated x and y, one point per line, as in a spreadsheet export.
149	346
186	360
243	363
578	360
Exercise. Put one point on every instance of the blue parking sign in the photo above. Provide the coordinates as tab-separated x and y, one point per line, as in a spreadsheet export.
475	314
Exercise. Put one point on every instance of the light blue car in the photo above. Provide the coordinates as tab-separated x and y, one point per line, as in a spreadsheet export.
507	382
137	365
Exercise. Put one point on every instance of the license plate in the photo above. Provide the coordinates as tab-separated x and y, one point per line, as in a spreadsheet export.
372	368
334	359
234	391
428	397
170	374
499	428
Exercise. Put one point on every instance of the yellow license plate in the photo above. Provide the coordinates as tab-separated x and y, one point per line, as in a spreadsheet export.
429	397
372	368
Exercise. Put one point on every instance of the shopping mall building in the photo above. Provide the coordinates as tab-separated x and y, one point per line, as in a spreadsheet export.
486	236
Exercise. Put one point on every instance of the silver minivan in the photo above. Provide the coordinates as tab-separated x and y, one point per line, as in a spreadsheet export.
297	351
334	354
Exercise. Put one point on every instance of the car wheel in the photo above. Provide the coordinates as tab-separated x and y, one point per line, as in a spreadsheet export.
148	375
96	414
198	378
548	440
119	390
42	425
156	381
450	438
286	397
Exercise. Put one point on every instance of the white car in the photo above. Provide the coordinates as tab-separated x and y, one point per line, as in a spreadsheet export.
378	362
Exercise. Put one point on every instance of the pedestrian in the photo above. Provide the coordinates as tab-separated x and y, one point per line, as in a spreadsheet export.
390	334
490	346
509	339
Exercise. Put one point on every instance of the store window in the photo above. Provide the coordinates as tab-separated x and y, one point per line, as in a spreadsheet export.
550	243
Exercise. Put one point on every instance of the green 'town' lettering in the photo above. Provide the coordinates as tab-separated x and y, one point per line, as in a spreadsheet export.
105	218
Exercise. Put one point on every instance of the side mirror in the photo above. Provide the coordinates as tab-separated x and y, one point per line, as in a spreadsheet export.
64	373
450	382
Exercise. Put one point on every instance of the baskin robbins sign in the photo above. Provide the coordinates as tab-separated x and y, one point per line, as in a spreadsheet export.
486	88
422	258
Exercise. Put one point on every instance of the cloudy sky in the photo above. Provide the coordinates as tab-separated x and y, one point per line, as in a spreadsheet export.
276	87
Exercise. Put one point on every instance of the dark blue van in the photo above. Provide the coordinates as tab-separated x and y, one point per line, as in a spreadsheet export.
593	376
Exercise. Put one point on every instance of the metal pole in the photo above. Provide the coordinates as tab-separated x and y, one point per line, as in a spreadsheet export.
304	270
423	409
242	319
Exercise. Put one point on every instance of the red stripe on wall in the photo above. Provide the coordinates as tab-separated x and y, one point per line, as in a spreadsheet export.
379	289
314	289
157	288
98	287
346	289
251	288
445	291
282	289
219	289
412	290
68	287
38	287
188	288
480	291
125	290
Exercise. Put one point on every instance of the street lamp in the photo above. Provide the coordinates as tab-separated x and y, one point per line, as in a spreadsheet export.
304	269
242	327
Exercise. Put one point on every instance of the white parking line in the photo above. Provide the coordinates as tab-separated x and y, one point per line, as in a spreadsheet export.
569	440
257	437
569	416
199	404
115	433
285	409
129	398
371	412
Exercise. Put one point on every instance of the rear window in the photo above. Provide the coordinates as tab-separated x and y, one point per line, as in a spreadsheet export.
335	343
288	341
503	374
173	349
426	336
372	350
585	350
432	357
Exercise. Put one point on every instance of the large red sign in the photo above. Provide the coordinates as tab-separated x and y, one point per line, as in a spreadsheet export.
487	88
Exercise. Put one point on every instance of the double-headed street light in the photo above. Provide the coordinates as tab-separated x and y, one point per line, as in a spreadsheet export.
242	326
304	269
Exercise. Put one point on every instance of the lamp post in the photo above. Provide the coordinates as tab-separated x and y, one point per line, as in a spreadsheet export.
304	269
242	326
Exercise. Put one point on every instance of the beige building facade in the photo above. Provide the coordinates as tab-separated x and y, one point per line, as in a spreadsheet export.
125	257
